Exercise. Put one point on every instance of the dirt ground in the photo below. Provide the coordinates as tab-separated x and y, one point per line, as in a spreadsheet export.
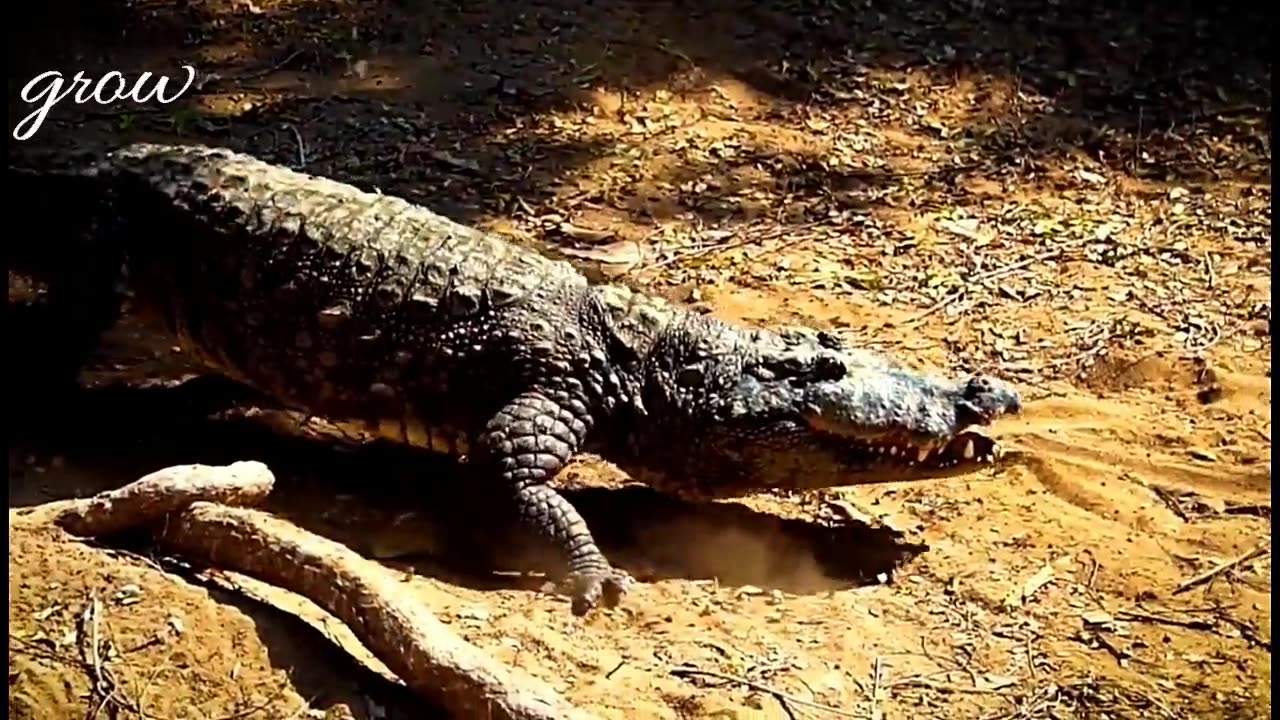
1075	196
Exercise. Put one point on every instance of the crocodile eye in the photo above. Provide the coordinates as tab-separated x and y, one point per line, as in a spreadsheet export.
790	366
828	368
690	376
805	369
830	340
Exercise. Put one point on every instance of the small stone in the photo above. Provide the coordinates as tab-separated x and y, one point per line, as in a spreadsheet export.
474	613
1096	617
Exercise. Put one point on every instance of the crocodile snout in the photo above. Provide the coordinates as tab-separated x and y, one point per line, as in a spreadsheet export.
985	398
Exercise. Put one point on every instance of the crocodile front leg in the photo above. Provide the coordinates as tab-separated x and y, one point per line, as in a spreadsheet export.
525	445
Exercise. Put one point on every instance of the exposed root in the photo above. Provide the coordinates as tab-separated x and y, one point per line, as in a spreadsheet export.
189	508
416	646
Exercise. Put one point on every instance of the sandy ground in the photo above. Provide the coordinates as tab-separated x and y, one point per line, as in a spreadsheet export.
1074	196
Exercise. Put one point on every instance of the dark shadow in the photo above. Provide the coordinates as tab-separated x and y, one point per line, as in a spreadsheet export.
448	102
1102	77
424	518
462	166
359	495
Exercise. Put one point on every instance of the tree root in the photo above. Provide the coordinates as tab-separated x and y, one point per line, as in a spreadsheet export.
190	511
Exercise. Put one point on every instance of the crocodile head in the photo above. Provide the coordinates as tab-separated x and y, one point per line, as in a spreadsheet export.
732	411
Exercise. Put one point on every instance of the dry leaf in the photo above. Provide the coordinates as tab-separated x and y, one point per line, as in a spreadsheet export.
1092	178
448	159
966	228
1018	596
584	234
45	613
128	595
991	681
622	252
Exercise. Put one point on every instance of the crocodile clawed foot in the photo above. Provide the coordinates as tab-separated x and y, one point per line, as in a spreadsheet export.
596	586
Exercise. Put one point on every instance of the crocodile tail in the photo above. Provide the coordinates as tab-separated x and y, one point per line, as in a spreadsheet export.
73	270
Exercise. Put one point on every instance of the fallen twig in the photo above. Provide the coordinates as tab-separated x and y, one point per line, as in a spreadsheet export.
1246	629
1170	501
782	697
948	687
1262	510
945	301
665	47
1143	616
1260	550
883	174
259	73
1025	262
105	688
875	688
737	238
302	146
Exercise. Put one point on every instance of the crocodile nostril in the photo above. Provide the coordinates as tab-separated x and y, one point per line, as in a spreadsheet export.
990	397
978	385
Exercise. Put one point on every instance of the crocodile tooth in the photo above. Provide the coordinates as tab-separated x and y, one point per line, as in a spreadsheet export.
893	451
968	449
922	454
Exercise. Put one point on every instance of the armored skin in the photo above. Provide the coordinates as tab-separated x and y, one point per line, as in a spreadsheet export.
365	308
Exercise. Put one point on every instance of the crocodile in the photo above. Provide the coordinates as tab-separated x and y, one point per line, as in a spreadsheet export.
368	309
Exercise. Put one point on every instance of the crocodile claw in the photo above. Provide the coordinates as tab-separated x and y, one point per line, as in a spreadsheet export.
589	588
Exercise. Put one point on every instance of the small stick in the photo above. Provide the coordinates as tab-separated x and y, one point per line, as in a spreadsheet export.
256	74
875	688
1142	616
302	146
674	52
1262	510
1205	577
947	687
95	656
1172	502
95	608
782	697
1014	267
945	301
